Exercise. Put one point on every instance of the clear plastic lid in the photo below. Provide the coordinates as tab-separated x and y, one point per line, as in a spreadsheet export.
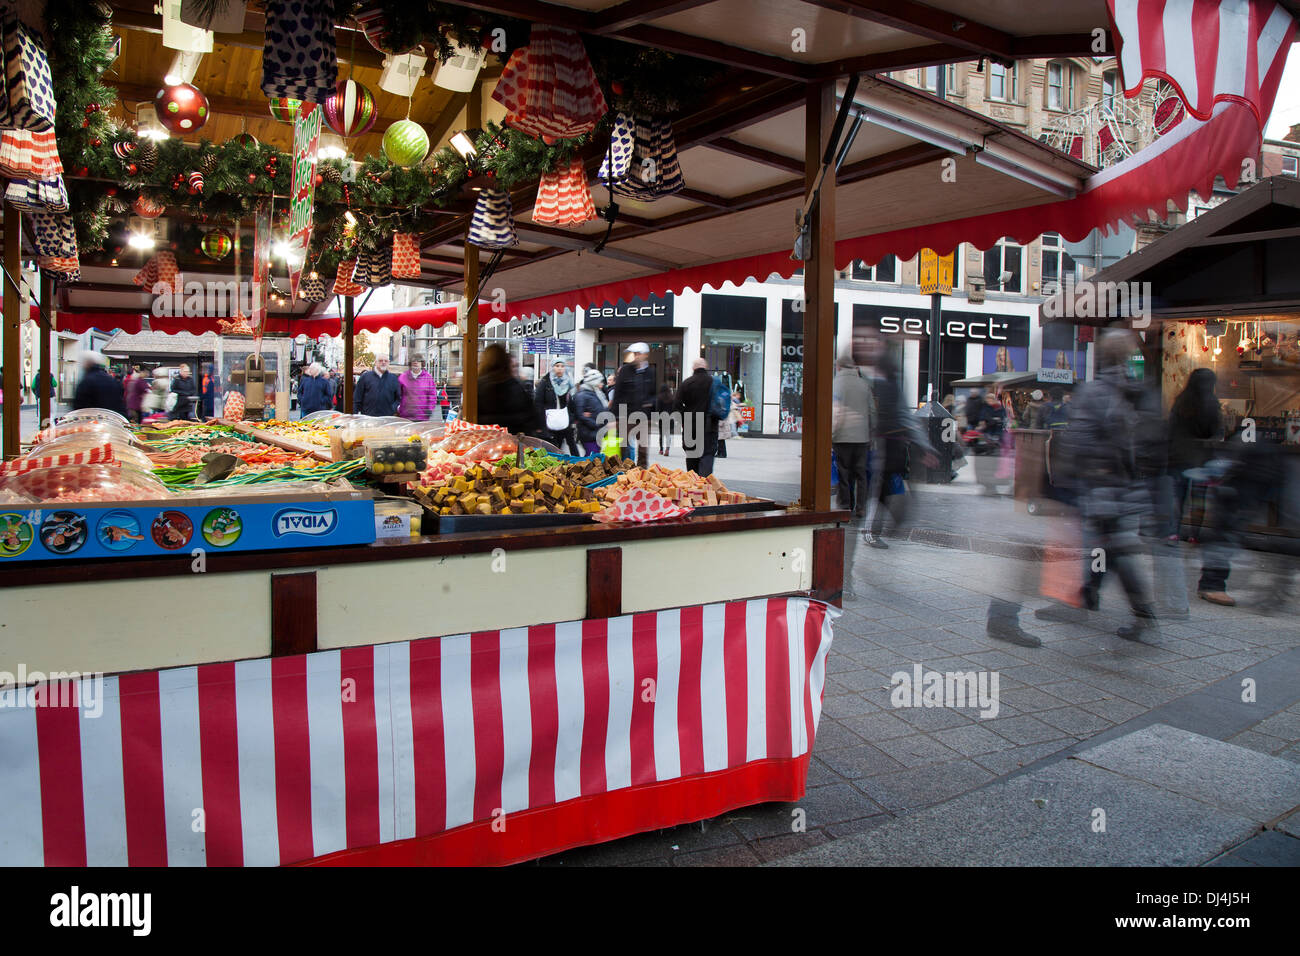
80	443
95	414
100	431
86	483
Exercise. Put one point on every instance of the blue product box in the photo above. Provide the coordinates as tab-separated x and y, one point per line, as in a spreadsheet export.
175	527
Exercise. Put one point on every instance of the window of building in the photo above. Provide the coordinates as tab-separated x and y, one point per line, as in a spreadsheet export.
1060	86
886	270
930	78
1290	165
1109	88
1057	263
1002	83
1005	257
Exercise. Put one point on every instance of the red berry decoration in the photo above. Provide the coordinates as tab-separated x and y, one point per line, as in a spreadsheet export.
97	142
132	169
617	88
252	179
182	108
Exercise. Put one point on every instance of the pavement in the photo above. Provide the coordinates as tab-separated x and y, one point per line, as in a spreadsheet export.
1173	741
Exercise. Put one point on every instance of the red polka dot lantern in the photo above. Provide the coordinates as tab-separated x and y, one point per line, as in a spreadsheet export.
182	108
351	110
284	108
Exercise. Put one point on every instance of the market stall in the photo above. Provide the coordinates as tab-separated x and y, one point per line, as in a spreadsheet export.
1224	297
568	658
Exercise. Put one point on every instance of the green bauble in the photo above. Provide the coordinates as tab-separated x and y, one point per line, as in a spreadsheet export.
406	143
217	244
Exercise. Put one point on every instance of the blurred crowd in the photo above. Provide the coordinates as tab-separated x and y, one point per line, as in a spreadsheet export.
1132	487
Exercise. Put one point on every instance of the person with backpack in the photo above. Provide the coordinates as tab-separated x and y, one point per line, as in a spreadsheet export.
703	402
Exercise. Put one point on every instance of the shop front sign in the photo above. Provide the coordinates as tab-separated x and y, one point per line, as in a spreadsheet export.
653	312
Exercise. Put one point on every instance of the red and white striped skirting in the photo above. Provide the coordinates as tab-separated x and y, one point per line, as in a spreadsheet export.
483	748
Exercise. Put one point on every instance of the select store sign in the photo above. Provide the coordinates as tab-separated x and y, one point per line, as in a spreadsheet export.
655	312
975	327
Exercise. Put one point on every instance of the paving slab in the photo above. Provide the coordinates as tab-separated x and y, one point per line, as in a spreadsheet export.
1220	774
1046	819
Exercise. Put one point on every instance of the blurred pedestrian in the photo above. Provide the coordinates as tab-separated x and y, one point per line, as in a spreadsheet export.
589	404
182	387
1194	420
501	397
97	388
314	392
699	425
665	402
852	412
633	402
1107	420
208	392
136	389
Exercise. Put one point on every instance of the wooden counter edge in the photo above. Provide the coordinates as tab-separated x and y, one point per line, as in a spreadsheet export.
69	571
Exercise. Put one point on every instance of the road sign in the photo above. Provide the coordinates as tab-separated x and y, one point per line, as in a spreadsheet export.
936	273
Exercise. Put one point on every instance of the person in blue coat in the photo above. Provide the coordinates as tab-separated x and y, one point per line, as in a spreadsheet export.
315	393
378	391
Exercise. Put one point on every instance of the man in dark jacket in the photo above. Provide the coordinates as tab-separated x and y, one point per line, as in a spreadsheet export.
699	427
314	393
208	392
634	394
1108	421
183	387
378	391
97	388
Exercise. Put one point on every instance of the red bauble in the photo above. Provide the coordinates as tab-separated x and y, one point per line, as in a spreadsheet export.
132	169
111	190
616	88
96	142
252	178
319	179
182	108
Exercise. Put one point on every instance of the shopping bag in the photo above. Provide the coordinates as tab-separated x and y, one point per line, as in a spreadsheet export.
1062	575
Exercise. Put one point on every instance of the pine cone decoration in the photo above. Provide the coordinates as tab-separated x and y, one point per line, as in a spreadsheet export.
146	155
331	174
208	164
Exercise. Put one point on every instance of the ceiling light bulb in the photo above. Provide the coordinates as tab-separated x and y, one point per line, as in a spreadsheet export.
137	241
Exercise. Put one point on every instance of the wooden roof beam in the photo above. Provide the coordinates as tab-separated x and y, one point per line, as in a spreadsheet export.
632	13
756	154
928	22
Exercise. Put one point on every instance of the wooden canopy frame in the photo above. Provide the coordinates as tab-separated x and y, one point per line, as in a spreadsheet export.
843	37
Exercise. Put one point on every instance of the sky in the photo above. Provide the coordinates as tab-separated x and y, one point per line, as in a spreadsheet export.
1286	110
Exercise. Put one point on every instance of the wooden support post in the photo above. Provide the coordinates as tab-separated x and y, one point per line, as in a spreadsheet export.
819	305
45	375
349	354
469	342
12	345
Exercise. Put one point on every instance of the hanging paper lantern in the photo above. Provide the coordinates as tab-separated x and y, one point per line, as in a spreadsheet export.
406	143
492	226
312	289
374	21
564	197
217	244
195	182
351	110
146	208
549	86
284	109
181	108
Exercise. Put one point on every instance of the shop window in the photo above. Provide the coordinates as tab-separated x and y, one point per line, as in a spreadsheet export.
1290	165
886	270
1006	258
1057	263
1060	86
1109	89
1002	83
930	78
